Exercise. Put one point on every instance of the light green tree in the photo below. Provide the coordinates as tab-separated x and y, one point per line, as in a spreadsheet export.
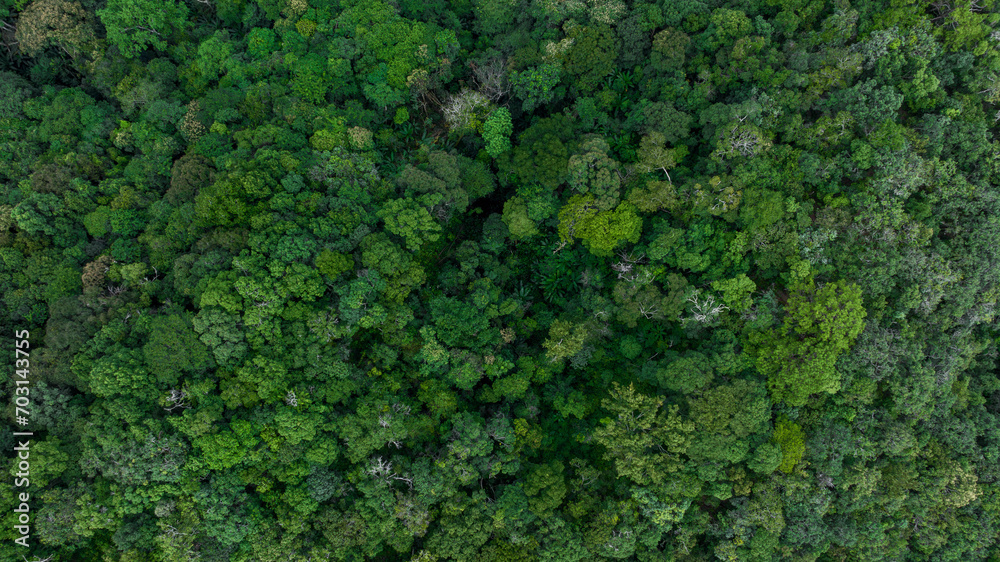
515	216
600	231
406	218
134	25
593	171
655	157
644	442
789	436
798	359
545	487
736	292
565	340
497	131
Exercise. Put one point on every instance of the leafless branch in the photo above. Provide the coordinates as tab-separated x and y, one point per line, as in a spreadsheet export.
491	79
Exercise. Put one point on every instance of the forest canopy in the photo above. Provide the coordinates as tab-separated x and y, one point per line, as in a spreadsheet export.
501	280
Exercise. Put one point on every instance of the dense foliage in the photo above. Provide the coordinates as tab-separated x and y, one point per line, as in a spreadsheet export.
503	280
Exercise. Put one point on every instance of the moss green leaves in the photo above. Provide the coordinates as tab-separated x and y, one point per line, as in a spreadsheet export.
643	441
601	231
821	323
412	222
134	25
789	436
565	340
497	131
